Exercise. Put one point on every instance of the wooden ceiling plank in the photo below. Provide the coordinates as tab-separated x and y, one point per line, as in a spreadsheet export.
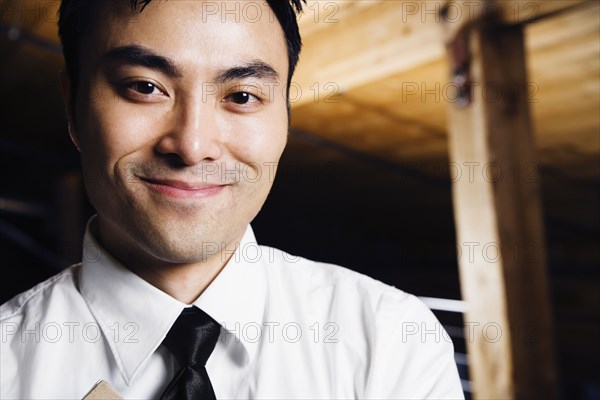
564	70
463	15
319	15
383	39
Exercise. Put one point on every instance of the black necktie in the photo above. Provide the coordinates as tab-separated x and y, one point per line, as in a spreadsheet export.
191	339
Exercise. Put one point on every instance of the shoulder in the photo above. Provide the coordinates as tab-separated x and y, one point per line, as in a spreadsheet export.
37	331
61	285
390	335
341	290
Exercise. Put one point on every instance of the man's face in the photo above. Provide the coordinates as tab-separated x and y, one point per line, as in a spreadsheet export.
180	116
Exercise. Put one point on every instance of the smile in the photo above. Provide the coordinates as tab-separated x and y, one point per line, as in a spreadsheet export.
182	189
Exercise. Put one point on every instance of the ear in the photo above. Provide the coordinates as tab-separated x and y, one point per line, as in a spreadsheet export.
65	83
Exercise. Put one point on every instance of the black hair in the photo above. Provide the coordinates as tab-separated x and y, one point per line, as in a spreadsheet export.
76	17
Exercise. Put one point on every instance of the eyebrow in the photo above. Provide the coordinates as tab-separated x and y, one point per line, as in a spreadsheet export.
254	69
141	56
137	55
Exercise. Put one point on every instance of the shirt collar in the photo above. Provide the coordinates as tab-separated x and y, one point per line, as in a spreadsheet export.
236	297
135	316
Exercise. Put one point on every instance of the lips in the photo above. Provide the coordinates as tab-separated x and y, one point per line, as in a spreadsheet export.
183	189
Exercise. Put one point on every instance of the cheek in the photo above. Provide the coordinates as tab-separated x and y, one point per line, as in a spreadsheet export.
112	130
258	138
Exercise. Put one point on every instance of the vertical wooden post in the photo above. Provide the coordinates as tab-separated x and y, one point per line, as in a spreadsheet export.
498	219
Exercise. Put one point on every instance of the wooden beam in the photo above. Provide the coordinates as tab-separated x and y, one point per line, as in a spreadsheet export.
464	14
320	15
525	11
384	38
352	43
498	221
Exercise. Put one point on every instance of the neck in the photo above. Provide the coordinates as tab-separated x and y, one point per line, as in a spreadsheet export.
182	281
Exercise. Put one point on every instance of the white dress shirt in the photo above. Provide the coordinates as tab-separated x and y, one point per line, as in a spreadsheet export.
291	328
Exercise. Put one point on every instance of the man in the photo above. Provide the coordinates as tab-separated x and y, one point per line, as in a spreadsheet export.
180	112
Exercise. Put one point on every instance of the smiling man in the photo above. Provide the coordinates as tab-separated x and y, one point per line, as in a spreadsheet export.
161	98
180	112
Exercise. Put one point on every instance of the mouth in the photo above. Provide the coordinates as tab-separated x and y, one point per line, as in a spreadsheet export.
183	189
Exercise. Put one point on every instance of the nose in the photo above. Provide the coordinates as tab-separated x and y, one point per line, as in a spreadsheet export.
192	134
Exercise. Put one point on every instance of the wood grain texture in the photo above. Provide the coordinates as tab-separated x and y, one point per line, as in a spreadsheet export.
498	222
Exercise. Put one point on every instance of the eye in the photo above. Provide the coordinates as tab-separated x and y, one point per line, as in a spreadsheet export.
241	98
144	87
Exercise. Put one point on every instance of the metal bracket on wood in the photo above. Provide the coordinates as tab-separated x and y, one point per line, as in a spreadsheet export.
460	59
458	27
457	37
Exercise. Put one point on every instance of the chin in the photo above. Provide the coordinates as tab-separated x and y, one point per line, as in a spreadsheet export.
180	253
181	246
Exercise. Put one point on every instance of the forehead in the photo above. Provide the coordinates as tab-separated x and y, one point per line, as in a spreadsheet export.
195	33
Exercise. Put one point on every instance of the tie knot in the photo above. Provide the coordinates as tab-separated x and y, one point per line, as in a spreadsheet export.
192	337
